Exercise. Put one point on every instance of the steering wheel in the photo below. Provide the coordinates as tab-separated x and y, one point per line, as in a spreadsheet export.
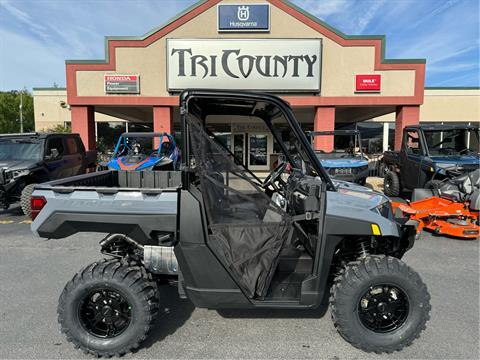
274	175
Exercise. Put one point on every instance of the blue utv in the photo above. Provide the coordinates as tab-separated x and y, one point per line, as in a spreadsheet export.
144	151
346	161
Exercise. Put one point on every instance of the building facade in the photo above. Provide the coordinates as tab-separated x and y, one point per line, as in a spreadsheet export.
331	80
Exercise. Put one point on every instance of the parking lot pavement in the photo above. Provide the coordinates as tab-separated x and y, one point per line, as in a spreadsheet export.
33	272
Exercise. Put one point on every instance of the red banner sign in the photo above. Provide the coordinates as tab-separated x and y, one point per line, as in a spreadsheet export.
367	82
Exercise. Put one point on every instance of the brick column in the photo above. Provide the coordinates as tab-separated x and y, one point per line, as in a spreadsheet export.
83	123
324	121
162	121
405	116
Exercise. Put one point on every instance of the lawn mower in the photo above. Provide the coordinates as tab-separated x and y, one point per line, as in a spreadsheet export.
137	151
451	209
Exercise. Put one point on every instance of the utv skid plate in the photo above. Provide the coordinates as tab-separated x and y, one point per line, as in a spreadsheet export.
441	216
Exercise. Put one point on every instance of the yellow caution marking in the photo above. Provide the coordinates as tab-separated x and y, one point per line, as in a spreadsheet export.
25	222
376	230
5	222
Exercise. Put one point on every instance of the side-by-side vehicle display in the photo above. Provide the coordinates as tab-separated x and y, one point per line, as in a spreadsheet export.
144	151
346	161
230	240
430	154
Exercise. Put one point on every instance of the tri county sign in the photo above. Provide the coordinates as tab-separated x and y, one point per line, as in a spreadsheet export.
278	65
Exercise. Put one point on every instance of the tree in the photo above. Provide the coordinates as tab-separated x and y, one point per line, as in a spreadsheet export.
10	111
59	128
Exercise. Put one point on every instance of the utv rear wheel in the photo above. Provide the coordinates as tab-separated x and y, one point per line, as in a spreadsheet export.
391	184
108	308
379	304
25	199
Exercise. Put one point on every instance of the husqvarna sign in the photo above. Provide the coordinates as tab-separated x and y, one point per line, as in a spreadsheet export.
243	17
277	65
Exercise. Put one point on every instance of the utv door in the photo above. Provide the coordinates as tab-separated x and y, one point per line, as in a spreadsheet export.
246	230
411	159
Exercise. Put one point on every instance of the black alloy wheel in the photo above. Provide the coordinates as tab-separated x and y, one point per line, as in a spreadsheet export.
109	307
105	313
383	308
379	304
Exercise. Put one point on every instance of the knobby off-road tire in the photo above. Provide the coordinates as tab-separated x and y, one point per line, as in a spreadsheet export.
356	283
95	287
25	199
391	184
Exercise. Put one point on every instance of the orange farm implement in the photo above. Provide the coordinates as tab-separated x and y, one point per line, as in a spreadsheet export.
442	216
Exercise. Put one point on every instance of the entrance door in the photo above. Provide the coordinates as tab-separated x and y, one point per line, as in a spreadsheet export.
238	147
258	151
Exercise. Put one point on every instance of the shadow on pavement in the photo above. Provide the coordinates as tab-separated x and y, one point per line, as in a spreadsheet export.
173	314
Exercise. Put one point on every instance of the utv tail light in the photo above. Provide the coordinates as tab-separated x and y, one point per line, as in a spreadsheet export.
37	203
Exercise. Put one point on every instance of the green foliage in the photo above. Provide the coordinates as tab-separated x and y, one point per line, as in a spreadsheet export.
59	128
10	111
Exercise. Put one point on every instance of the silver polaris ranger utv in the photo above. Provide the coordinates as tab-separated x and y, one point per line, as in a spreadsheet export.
230	240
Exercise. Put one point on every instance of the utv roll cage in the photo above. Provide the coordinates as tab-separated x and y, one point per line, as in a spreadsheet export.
259	105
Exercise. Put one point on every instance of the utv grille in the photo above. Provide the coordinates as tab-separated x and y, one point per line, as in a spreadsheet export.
343	171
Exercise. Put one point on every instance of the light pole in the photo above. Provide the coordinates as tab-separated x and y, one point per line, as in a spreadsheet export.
21	111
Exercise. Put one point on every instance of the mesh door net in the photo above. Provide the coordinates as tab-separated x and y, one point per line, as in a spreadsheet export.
247	230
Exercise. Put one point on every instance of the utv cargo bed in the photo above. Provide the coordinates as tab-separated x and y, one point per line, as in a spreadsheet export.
138	203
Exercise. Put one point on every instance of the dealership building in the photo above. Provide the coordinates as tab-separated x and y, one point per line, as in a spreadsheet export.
331	80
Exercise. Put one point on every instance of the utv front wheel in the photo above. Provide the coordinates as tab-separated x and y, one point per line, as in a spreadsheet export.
379	304
108	308
25	199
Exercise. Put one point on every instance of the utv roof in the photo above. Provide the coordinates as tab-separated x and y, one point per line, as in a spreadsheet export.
244	103
334	132
439	127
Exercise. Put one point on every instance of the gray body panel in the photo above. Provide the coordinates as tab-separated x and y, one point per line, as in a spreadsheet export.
145	214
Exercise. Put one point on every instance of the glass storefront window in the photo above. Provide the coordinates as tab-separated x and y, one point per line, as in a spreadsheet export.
258	149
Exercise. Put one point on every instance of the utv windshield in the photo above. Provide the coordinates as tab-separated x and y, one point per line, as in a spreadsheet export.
452	142
346	145
19	149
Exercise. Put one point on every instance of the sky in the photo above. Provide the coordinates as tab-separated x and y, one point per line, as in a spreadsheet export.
37	36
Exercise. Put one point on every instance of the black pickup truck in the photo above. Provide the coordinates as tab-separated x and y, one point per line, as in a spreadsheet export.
31	158
430	154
